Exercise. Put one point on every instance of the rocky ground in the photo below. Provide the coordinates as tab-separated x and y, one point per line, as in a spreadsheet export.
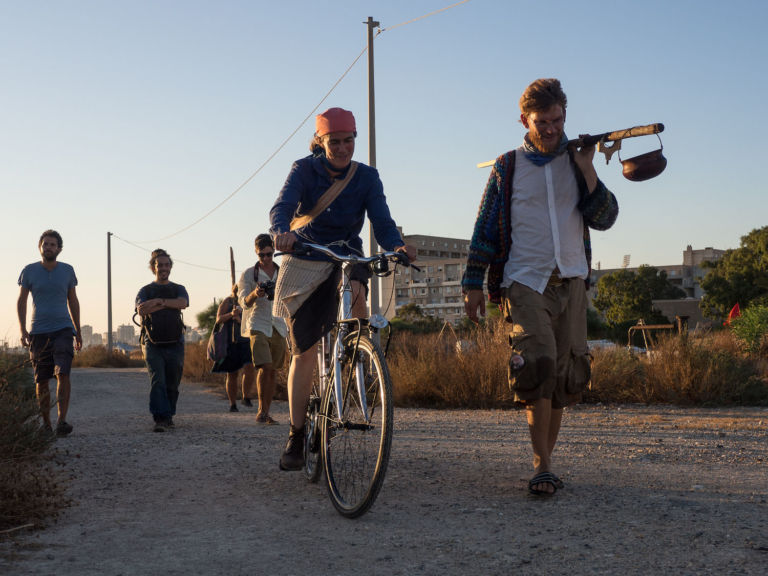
649	490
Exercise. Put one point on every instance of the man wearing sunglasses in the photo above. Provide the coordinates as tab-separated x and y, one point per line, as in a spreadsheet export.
256	290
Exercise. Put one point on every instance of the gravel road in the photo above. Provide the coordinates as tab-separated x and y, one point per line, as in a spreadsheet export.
649	490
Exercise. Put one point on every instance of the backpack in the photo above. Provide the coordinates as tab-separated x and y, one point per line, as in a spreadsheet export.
164	327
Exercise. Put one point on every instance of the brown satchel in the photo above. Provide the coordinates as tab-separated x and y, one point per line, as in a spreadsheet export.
325	200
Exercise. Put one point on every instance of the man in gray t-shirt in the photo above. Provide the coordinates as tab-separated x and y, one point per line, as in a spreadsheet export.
55	320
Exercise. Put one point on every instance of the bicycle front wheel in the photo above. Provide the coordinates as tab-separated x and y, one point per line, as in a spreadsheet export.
356	447
313	465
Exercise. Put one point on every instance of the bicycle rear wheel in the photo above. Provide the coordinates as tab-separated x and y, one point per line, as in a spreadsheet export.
355	449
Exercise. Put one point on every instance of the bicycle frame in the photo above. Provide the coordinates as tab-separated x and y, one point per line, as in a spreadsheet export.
344	320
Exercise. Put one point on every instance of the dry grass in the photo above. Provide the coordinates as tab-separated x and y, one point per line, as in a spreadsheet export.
703	371
440	371
428	371
617	376
31	488
97	357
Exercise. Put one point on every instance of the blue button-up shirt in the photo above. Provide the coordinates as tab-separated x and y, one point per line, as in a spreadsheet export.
343	219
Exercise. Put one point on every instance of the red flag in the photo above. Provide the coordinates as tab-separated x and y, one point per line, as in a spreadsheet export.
734	313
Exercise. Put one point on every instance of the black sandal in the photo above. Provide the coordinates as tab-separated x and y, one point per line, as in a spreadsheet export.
543	478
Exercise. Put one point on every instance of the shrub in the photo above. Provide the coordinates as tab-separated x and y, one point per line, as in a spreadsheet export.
30	487
751	328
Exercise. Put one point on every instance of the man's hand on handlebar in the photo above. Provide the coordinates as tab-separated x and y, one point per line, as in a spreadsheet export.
409	251
284	242
473	300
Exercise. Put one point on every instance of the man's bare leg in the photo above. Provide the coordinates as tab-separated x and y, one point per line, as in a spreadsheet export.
544	426
249	380
300	385
44	401
62	396
359	305
265	384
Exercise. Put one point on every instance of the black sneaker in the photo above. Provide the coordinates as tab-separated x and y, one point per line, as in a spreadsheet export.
63	429
247	402
233	408
160	426
293	455
170	423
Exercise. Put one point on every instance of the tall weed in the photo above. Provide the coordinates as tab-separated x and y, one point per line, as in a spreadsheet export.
30	487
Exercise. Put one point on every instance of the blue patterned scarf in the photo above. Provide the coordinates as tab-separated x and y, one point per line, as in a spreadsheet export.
540	158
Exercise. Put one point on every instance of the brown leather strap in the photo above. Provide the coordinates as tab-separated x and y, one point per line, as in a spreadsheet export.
325	200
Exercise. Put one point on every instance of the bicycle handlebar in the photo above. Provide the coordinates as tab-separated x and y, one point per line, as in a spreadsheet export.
307	248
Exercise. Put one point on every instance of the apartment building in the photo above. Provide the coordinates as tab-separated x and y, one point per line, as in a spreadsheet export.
436	288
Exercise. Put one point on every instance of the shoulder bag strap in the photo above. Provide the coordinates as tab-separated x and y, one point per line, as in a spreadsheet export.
325	200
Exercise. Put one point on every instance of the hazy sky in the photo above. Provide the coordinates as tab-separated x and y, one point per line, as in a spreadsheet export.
139	117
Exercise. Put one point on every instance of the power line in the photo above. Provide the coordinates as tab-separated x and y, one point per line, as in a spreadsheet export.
285	142
424	16
175	259
267	161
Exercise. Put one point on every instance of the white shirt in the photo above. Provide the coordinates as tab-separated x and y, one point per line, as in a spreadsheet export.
258	316
547	226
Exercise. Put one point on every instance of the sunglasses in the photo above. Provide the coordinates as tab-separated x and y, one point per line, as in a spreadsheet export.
265	254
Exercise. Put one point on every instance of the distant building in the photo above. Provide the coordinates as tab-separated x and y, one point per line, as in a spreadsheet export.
437	288
126	334
87	332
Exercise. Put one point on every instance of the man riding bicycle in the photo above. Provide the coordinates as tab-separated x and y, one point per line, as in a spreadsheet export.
324	201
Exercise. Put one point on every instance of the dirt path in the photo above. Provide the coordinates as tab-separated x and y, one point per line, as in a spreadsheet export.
648	491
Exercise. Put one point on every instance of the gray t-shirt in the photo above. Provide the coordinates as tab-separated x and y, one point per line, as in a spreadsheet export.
49	289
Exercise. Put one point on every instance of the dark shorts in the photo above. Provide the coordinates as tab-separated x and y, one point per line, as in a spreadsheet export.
51	353
317	315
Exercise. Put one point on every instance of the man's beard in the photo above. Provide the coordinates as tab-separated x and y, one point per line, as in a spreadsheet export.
541	146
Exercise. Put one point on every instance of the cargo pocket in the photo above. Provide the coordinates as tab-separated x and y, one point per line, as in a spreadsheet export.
579	373
521	379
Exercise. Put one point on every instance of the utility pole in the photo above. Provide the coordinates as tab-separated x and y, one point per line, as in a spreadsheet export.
109	293
372	244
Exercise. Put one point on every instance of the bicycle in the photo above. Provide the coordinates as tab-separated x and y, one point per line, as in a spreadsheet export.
349	421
